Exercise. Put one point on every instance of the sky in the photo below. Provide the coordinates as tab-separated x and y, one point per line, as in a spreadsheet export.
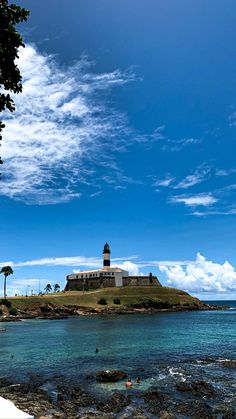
124	132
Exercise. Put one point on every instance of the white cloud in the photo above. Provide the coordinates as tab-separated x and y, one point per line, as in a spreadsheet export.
23	286
131	267
195	200
201	276
61	261
64	261
164	182
197	177
177	145
62	127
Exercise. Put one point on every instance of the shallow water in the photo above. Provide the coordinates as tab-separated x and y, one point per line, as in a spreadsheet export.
161	348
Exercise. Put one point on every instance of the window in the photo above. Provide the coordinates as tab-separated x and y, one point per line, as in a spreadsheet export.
77	277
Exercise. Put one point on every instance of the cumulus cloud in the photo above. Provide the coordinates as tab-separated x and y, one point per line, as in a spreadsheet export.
64	128
195	200
131	267
201	276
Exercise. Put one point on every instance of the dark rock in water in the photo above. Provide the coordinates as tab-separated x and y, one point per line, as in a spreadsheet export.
154	396
71	397
35	403
207	360
183	386
166	414
115	404
195	410
225	411
231	363
4	382
93	415
197	388
110	376
155	400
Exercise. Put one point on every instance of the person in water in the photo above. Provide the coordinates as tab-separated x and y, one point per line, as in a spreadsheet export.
129	383
138	380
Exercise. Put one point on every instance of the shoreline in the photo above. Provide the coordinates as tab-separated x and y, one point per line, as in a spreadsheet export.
192	398
50	312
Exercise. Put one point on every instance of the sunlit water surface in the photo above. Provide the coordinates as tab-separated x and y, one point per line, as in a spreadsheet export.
161	348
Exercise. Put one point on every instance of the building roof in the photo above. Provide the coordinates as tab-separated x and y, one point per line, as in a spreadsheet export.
105	269
106	248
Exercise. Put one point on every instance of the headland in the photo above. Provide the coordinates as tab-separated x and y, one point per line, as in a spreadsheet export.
124	300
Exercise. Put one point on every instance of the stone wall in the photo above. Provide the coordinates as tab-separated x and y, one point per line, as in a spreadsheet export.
89	283
141	281
82	284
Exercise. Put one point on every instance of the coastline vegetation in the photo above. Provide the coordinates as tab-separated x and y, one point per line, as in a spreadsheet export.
131	296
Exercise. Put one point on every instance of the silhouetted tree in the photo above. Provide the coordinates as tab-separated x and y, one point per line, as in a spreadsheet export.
6	271
48	288
56	287
10	41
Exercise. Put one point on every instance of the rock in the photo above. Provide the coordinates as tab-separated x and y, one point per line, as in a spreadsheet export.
197	388
155	400
115	404
110	376
183	386
228	363
154	396
207	360
166	414
224	411
195	410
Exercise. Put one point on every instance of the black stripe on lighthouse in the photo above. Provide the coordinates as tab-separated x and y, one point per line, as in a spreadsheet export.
106	255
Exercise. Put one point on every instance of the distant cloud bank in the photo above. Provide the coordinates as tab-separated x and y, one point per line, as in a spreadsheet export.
201	275
198	276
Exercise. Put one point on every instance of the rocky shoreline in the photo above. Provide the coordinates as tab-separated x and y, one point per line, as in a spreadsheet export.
73	402
48	311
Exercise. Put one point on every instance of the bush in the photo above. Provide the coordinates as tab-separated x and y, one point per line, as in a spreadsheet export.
13	311
6	303
116	301
102	301
151	303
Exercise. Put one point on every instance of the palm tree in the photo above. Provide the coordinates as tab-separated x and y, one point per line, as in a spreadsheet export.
56	287
6	271
48	288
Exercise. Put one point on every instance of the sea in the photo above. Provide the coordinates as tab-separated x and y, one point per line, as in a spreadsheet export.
161	348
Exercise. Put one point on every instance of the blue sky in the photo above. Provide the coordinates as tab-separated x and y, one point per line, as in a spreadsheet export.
125	132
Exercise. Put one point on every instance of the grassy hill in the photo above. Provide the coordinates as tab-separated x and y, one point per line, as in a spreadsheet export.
127	296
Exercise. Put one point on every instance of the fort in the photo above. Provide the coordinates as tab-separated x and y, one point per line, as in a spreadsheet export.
107	277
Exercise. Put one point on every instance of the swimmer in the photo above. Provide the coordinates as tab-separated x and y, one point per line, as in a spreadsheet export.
129	383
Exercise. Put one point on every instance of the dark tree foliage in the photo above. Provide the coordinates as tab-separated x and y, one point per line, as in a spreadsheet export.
10	41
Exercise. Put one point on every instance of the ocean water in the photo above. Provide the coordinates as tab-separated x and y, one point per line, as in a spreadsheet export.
161	348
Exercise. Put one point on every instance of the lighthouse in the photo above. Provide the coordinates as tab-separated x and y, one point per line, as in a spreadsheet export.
106	256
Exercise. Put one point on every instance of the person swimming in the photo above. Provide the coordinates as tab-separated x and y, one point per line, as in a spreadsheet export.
129	383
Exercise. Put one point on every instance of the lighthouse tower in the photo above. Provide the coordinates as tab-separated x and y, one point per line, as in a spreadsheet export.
106	256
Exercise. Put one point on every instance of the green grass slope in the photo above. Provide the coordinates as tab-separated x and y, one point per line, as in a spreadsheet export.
127	295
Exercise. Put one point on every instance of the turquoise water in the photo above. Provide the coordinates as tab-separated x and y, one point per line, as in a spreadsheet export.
161	348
